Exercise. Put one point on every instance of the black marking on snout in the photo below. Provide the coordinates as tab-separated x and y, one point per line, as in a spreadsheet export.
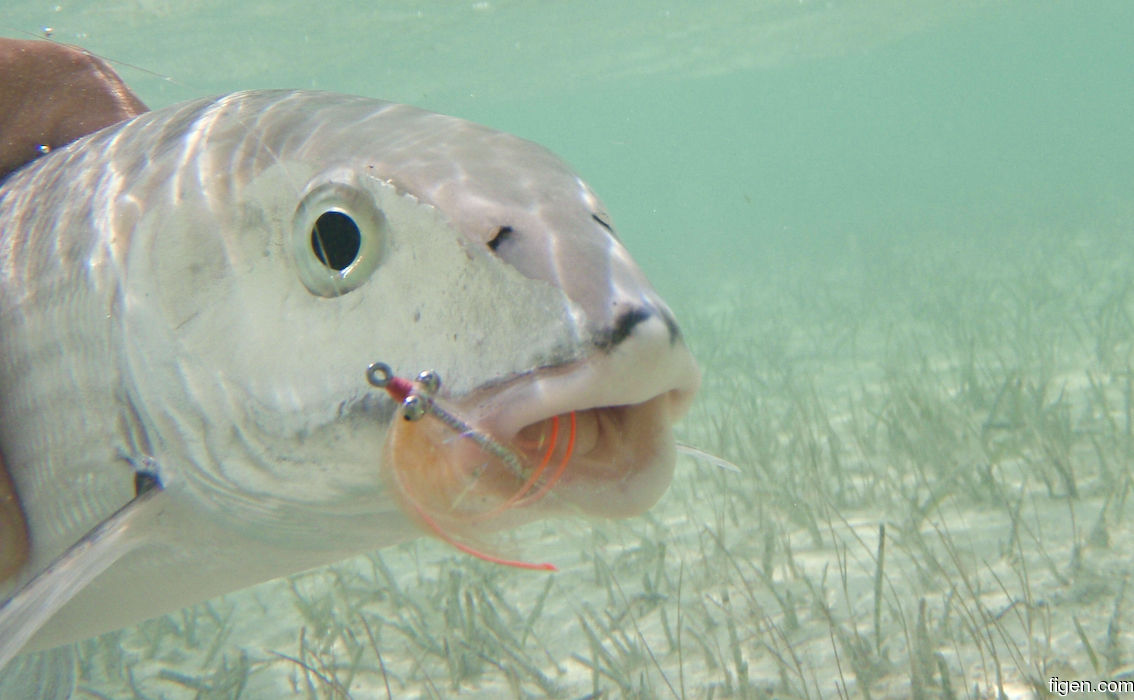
502	234
625	324
622	328
671	326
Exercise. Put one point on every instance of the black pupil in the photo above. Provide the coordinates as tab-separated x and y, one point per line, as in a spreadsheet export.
335	240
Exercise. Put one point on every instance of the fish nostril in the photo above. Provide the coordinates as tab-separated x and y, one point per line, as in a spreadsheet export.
502	234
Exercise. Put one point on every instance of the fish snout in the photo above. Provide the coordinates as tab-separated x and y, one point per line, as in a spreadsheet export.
592	437
640	381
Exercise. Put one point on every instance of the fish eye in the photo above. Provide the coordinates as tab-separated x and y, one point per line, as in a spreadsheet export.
339	237
335	239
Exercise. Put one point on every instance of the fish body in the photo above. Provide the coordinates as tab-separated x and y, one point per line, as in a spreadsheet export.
194	295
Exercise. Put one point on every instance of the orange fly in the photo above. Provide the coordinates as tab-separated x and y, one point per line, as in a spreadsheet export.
417	399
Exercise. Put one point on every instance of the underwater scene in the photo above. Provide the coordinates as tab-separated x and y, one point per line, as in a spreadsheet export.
898	237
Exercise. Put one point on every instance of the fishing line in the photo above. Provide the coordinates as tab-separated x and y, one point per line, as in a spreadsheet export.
47	33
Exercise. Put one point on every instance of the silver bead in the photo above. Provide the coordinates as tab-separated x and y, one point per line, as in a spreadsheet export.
413	408
430	381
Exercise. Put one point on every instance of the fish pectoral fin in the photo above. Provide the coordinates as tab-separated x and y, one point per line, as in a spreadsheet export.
35	602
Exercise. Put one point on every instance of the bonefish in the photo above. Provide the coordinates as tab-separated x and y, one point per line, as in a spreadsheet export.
193	300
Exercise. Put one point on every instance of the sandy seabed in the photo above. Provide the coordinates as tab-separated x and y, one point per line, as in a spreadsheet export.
935	448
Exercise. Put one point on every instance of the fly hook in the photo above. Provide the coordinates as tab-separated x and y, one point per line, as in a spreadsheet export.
417	399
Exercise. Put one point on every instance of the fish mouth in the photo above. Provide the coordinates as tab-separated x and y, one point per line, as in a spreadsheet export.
575	439
609	461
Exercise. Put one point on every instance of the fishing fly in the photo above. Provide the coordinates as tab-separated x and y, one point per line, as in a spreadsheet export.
418	400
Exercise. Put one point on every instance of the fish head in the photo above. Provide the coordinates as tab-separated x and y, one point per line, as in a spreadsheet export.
304	236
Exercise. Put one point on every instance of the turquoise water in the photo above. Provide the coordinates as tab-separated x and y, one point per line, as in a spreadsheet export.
773	125
899	238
